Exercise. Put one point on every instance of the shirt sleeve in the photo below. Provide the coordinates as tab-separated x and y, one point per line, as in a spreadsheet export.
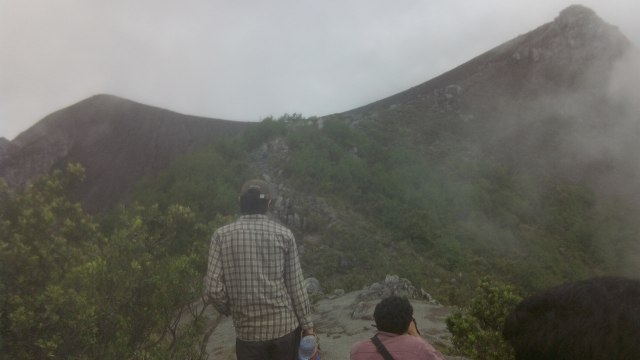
214	278
294	282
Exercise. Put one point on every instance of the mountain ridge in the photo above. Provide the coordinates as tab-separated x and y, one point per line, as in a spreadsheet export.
482	100
576	25
118	141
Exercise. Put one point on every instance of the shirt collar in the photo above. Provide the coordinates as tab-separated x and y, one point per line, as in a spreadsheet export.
254	217
388	334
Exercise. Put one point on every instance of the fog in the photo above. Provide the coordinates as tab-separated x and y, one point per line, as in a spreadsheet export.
248	60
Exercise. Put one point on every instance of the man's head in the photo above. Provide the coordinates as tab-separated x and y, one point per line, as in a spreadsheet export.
592	319
393	314
255	196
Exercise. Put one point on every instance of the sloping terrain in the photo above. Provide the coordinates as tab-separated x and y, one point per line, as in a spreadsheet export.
541	101
520	165
507	161
117	141
521	162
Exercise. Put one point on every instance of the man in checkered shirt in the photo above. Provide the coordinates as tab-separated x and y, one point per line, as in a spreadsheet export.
254	275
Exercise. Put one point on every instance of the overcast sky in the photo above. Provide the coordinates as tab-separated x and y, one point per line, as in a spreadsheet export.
245	60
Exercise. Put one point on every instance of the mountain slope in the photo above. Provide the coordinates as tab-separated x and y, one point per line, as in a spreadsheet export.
118	142
574	51
4	145
541	101
520	163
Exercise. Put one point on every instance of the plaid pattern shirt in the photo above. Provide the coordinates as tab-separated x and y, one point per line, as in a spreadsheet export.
254	275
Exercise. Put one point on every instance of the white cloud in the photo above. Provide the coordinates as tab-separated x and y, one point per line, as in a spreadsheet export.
245	60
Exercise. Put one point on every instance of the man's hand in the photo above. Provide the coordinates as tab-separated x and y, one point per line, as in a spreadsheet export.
413	329
309	331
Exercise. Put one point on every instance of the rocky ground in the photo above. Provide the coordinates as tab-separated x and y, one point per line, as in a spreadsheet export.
342	319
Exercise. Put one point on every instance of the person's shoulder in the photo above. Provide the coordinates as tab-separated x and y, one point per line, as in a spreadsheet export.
225	228
362	346
277	226
262	222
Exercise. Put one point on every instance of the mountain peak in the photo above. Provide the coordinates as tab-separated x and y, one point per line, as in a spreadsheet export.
105	98
117	140
579	19
583	27
577	14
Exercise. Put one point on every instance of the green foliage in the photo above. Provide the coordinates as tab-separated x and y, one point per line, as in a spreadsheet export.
150	276
265	130
44	238
75	290
205	181
469	213
411	199
477	329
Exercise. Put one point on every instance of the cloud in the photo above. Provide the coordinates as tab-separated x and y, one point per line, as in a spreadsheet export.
245	60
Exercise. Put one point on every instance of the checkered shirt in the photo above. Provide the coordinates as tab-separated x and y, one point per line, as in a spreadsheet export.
254	275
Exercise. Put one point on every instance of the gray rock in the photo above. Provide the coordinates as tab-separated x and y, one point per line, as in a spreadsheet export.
336	294
393	285
312	285
363	310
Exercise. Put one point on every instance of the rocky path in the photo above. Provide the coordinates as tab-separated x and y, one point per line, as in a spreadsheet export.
338	330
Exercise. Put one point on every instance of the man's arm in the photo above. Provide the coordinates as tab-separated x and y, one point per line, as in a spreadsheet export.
214	278
294	282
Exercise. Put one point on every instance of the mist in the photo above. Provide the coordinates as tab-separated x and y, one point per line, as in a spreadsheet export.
246	61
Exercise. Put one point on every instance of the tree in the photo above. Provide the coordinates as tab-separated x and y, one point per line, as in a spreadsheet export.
45	238
72	289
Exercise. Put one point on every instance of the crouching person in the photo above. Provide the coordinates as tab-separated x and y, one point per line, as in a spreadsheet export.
592	319
397	337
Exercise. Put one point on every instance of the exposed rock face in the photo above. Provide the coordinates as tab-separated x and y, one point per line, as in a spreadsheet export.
393	285
116	140
4	146
576	49
312	285
303	213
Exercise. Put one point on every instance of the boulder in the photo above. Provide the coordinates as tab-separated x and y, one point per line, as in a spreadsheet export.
393	285
312	285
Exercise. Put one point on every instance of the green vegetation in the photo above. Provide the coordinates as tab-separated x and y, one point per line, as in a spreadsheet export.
430	208
72	289
477	329
427	207
465	212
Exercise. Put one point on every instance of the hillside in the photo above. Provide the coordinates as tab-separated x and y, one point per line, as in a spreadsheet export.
518	166
118	142
541	100
489	168
519	163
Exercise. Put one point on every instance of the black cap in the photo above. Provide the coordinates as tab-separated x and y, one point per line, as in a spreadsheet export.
262	188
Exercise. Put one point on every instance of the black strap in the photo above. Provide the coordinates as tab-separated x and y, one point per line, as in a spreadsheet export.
380	347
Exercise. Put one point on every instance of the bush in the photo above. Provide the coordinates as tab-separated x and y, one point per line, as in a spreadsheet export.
477	329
